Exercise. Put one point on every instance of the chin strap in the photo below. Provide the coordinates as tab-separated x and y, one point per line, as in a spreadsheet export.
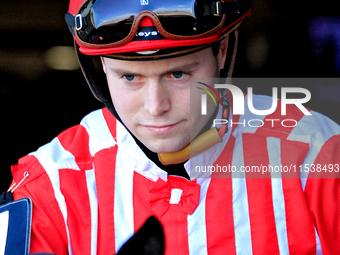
200	143
197	146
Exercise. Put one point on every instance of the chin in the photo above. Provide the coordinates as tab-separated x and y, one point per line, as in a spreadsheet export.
166	146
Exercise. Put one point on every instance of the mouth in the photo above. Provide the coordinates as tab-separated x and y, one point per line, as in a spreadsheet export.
161	129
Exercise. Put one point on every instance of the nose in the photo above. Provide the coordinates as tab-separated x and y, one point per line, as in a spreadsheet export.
157	102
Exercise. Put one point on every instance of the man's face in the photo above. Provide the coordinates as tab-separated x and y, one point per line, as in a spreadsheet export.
152	98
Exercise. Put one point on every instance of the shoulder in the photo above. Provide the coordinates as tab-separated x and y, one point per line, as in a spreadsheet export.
73	149
96	131
293	138
290	123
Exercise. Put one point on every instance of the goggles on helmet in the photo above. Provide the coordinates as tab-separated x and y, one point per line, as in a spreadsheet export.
104	23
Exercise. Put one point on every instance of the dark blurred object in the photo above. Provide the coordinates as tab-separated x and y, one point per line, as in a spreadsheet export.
324	34
148	240
15	222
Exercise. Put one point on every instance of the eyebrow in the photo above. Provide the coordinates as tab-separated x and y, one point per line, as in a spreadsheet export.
184	67
170	70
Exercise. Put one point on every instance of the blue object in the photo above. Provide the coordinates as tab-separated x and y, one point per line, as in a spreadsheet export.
15	227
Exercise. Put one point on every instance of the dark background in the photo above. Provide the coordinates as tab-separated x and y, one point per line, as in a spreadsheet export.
38	100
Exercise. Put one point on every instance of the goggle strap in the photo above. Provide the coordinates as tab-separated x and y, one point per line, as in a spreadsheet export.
74	21
215	9
218	8
71	21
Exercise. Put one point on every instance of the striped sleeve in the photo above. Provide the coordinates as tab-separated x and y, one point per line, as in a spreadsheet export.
48	228
323	195
284	212
62	186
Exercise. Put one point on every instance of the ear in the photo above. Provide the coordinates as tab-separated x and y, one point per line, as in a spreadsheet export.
103	64
222	53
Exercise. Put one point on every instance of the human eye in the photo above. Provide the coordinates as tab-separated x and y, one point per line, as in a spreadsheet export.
178	74
128	77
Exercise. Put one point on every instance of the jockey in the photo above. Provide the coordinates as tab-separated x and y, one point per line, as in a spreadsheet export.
95	184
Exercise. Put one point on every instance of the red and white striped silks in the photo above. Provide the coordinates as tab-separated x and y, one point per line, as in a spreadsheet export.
92	188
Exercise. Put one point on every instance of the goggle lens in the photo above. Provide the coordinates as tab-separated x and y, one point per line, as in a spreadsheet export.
179	18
